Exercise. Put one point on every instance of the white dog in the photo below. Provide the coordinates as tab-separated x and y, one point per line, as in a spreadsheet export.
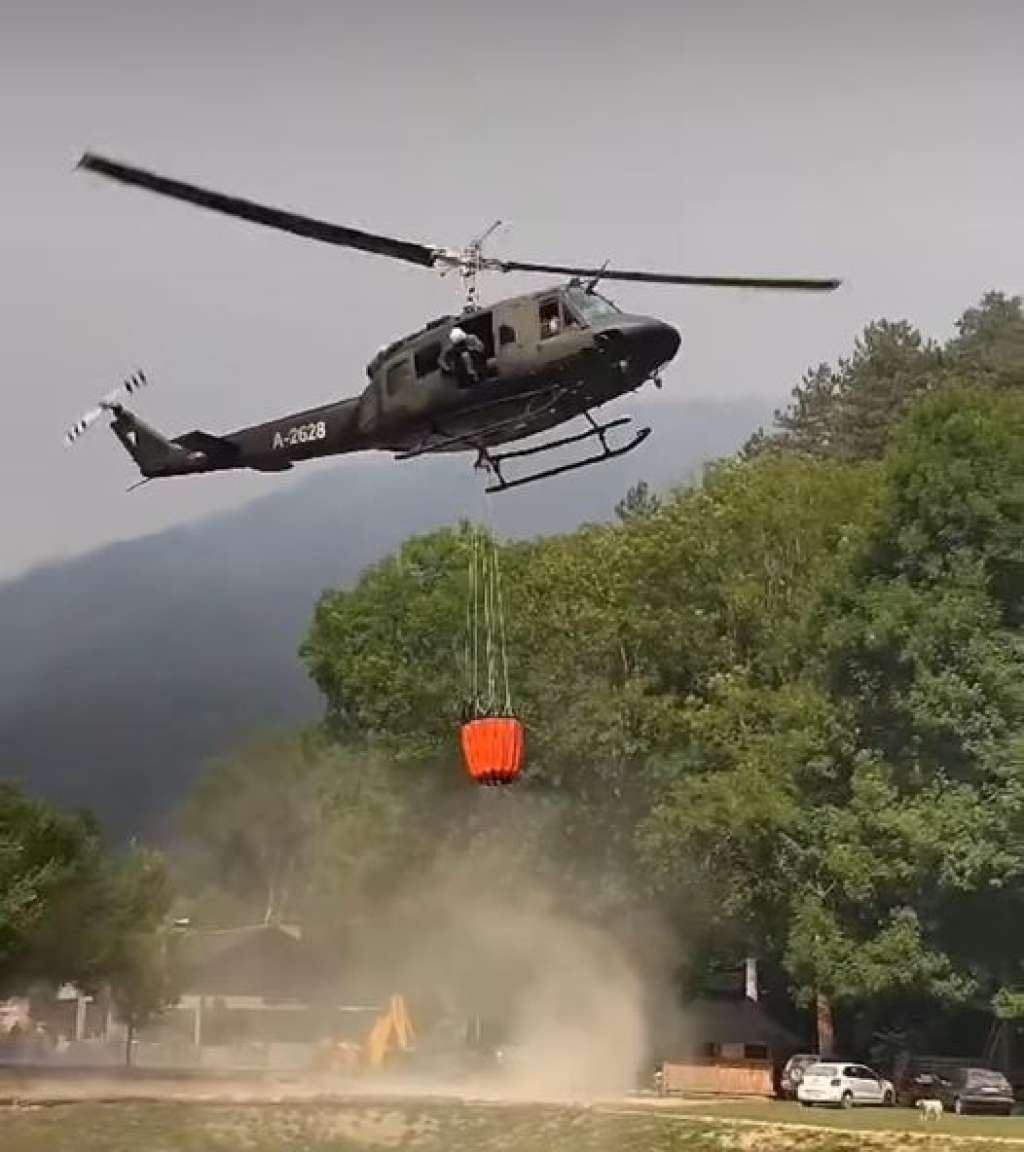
930	1109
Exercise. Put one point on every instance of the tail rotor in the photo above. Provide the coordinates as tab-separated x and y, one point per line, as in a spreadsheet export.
111	402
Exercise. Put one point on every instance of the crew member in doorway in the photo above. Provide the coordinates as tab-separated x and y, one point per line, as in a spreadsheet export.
464	358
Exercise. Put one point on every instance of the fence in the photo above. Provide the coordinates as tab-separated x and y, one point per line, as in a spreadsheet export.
719	1077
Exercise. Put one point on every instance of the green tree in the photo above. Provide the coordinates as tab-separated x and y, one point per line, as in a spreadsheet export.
990	340
925	646
71	912
638	501
53	892
389	654
785	703
299	826
847	412
140	964
377	825
144	983
248	821
854	808
1008	1004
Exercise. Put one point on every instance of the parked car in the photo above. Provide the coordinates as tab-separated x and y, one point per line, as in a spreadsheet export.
842	1084
793	1073
921	1077
961	1088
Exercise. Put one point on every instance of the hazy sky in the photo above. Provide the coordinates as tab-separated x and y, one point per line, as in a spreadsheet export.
874	141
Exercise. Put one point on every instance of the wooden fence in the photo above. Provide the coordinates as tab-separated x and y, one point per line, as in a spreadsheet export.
719	1077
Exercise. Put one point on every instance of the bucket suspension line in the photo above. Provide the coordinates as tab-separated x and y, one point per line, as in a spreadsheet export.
492	738
486	635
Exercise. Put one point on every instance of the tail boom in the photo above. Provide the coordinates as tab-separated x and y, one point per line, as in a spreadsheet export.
271	447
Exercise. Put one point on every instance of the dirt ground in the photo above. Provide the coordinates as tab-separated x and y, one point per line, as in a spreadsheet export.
82	1114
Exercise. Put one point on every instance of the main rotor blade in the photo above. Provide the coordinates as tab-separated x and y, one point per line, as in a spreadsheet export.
770	282
414	253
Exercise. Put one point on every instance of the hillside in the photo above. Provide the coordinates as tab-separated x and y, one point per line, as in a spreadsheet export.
124	669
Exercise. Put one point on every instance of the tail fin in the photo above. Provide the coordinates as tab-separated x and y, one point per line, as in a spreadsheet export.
150	451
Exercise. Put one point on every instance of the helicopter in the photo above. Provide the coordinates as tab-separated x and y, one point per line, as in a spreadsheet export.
479	381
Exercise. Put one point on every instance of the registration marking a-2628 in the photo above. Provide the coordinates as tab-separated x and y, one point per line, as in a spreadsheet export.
300	434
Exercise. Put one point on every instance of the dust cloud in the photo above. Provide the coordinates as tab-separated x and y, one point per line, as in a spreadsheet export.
520	984
495	932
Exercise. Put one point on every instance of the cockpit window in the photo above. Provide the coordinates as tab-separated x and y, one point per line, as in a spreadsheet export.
550	318
592	307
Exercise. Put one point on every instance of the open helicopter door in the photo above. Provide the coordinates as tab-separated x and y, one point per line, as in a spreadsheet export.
481	325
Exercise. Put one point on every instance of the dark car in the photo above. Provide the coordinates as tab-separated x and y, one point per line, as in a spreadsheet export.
793	1073
961	1088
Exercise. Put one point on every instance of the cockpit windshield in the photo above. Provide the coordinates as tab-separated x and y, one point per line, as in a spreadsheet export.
591	307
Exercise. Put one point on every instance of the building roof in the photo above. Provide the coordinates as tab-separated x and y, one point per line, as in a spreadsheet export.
256	960
738	1021
722	1020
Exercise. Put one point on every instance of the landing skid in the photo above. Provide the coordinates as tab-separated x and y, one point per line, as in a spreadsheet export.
492	462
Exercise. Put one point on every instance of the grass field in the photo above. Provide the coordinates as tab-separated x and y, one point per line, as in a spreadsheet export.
434	1126
868	1119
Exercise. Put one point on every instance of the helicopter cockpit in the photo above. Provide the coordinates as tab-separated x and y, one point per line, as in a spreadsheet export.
589	306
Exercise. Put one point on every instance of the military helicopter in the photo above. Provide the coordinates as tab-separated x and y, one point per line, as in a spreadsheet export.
491	376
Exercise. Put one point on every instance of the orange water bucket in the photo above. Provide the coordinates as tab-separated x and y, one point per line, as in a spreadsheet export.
493	748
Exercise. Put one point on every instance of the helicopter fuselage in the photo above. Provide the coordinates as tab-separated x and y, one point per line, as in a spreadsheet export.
529	363
546	357
573	348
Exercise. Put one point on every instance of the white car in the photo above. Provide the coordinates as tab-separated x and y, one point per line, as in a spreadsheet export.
843	1085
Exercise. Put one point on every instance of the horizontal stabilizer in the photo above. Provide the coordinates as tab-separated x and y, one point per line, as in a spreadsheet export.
213	447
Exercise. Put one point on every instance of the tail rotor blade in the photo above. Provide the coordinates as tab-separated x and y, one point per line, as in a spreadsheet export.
82	425
127	387
135	382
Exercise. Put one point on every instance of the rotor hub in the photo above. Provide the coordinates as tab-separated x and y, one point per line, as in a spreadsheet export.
469	262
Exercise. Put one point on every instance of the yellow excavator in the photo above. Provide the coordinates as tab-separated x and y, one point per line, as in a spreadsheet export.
392	1031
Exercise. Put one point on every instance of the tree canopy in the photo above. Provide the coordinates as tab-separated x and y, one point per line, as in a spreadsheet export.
782	707
71	910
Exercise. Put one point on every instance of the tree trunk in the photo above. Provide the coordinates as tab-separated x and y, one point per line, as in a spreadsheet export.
129	1036
270	913
826	1027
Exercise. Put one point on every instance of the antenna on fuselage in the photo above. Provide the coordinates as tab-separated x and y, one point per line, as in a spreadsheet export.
591	284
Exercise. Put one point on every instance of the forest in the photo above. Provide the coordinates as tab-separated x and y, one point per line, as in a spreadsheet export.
780	712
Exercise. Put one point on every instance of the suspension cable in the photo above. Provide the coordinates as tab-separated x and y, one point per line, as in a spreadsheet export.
471	623
485	611
489	623
500	610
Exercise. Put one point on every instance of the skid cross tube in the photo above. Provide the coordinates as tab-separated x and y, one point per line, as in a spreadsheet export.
596	430
608	454
493	463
